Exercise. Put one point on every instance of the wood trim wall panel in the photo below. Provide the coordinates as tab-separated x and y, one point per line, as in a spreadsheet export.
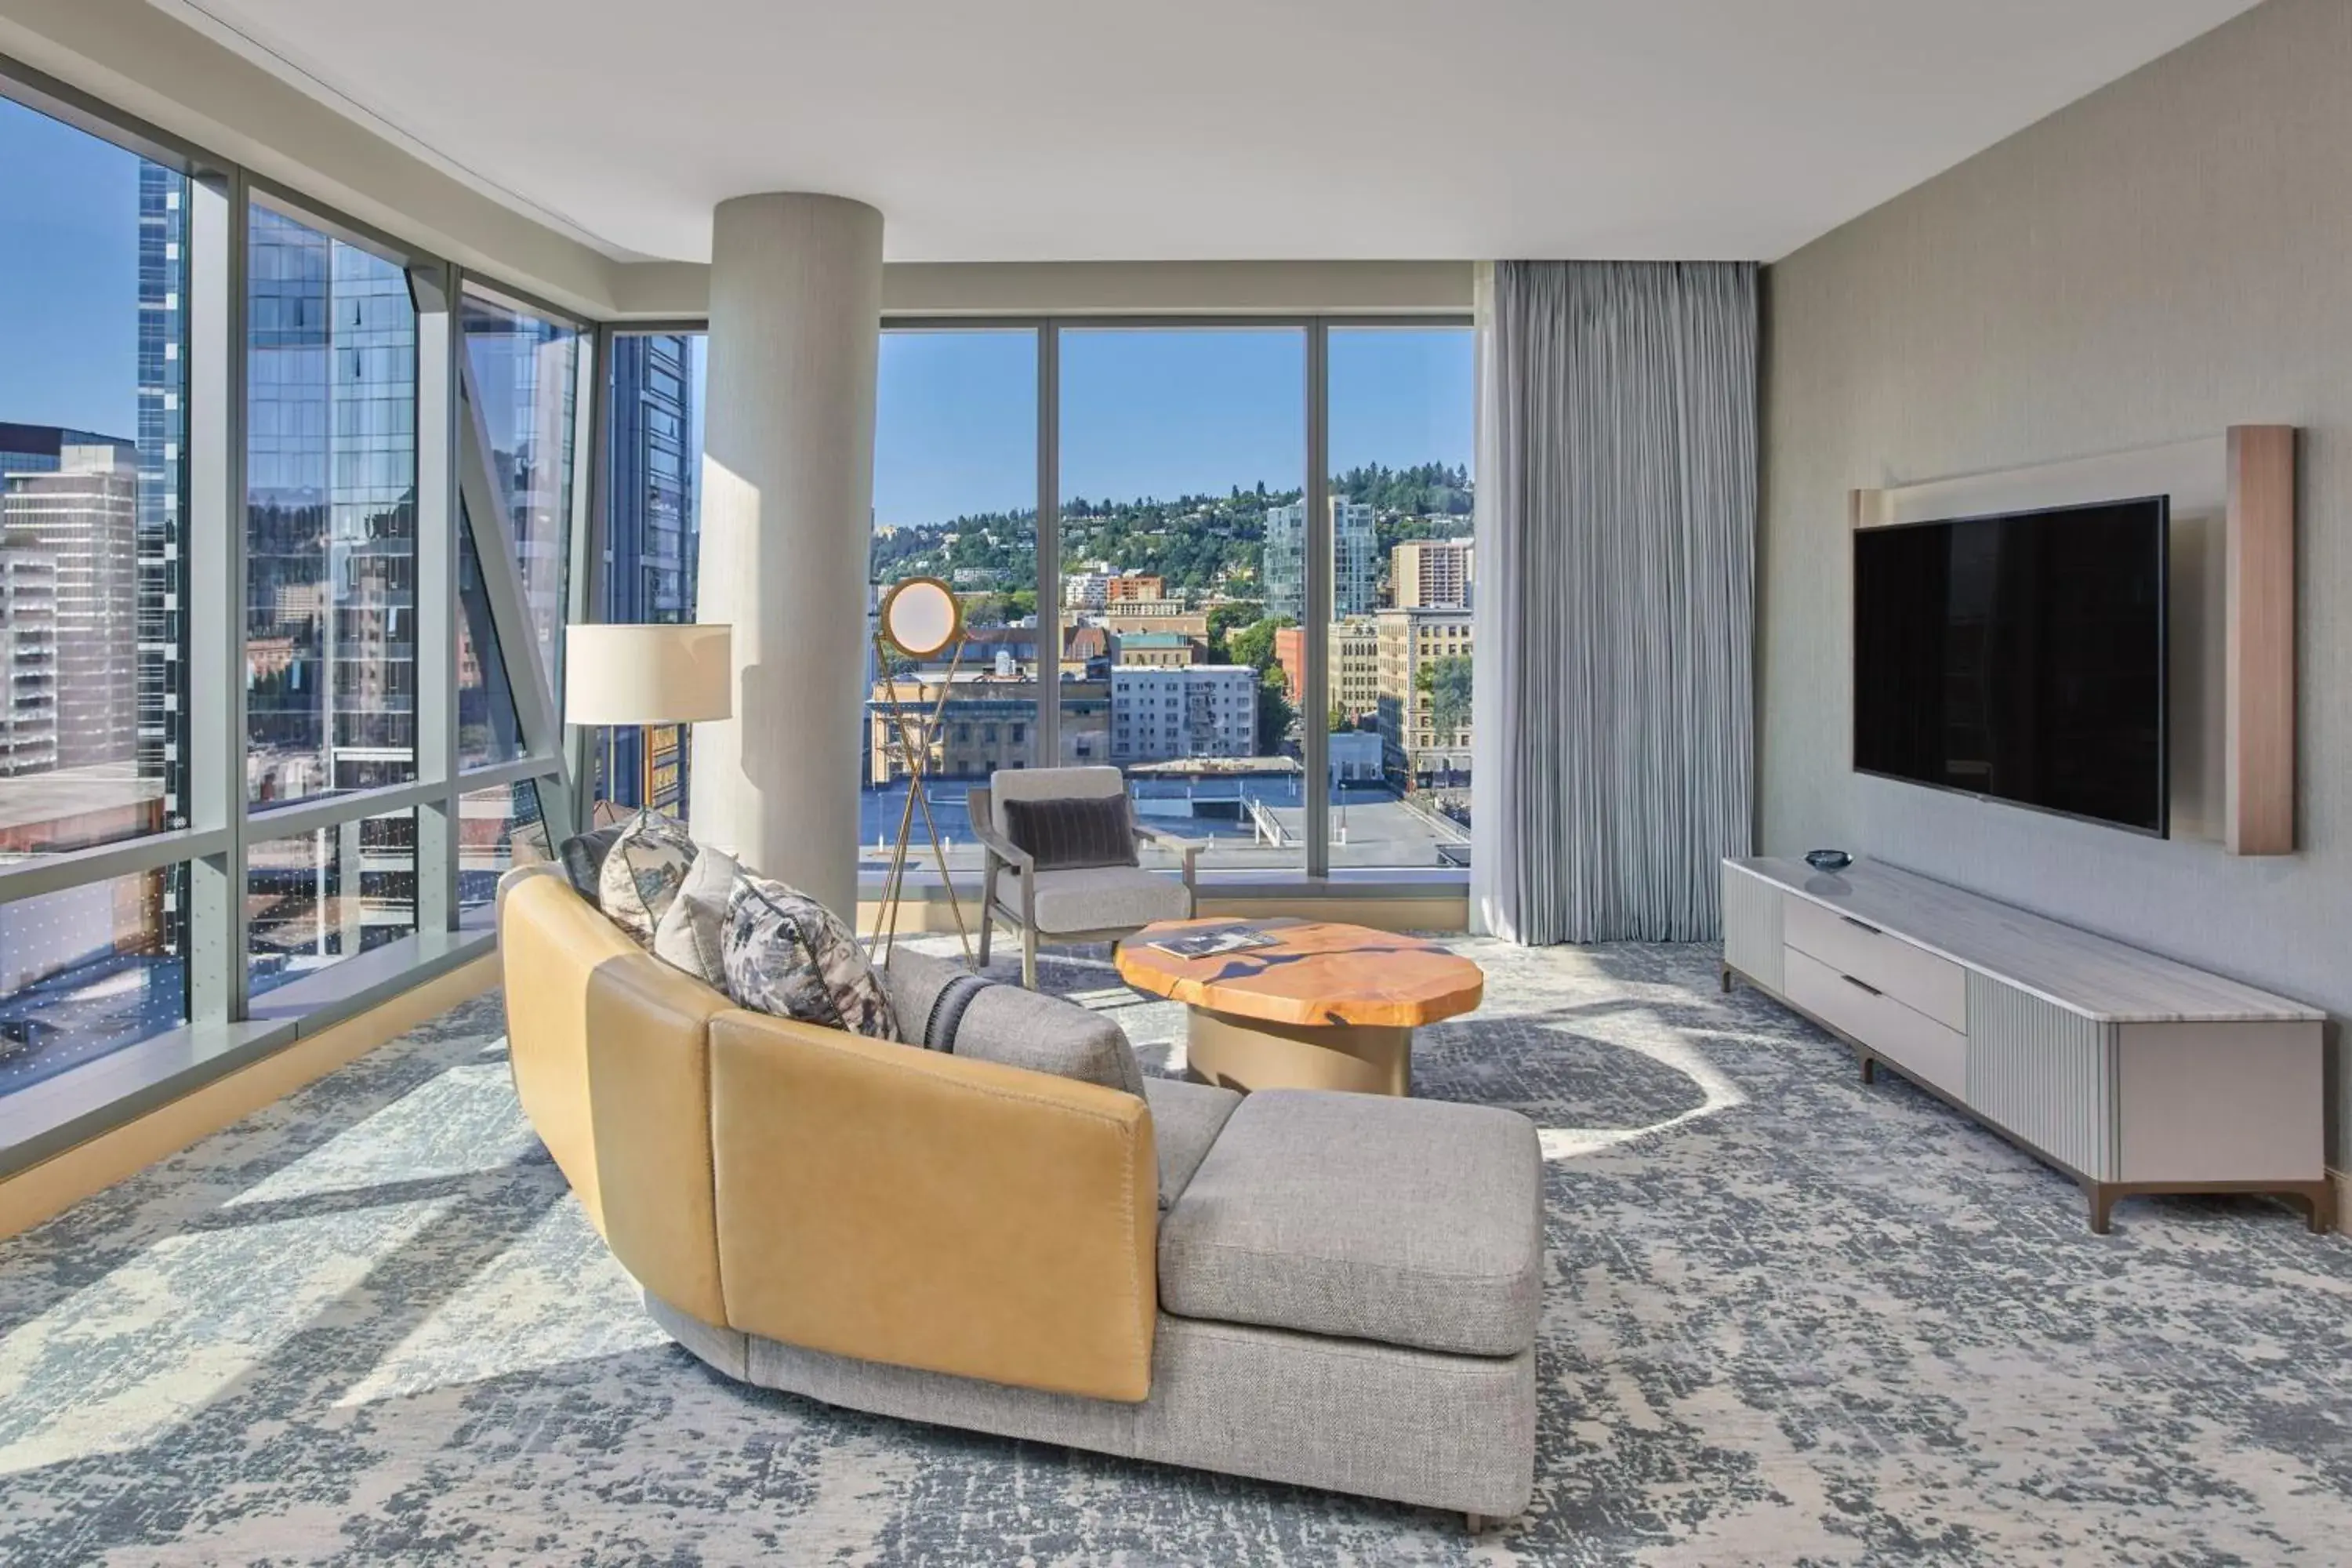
2258	776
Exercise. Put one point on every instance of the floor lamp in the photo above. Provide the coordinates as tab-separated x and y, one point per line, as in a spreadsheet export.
646	676
921	618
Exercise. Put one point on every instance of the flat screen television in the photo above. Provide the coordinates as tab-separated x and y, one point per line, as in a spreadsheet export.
2020	658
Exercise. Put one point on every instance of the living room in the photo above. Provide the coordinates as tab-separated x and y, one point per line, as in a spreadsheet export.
1114	788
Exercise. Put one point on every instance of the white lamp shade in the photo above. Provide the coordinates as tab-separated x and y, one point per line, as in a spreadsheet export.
647	675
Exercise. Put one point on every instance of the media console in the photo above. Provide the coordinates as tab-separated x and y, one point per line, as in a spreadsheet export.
2129	1072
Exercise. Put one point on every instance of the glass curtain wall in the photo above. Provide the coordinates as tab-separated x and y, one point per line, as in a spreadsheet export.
93	646
955	497
1398	658
210	405
1184	558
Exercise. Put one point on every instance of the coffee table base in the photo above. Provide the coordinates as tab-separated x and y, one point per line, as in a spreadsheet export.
1247	1054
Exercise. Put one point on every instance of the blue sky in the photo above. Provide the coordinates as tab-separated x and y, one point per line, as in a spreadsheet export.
1144	413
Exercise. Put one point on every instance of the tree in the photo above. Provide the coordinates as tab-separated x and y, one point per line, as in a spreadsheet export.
1275	713
1447	683
1254	644
1222	619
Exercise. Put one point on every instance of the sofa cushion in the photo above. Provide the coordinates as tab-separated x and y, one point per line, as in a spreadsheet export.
1007	1024
1409	1222
1084	830
789	956
1098	898
691	934
643	872
1186	1117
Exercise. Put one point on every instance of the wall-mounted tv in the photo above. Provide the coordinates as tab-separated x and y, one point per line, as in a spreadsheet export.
2019	656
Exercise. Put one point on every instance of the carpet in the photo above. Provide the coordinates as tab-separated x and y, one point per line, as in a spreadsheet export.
1789	1318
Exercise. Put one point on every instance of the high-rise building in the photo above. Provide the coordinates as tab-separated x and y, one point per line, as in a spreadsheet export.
82	515
1353	669
1135	587
1424	712
28	662
163	432
1431	574
1200	711
332	498
1355	563
652	542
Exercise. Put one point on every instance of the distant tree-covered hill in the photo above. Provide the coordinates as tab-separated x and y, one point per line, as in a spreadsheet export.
1199	544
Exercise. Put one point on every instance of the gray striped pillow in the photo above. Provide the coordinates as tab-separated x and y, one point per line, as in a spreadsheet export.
1092	830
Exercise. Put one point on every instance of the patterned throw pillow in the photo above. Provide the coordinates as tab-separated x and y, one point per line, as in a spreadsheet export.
692	932
1086	830
583	856
789	956
643	872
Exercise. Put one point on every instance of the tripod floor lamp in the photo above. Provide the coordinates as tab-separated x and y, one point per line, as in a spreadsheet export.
921	618
648	675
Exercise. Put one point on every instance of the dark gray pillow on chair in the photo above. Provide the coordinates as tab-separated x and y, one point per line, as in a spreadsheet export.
1086	830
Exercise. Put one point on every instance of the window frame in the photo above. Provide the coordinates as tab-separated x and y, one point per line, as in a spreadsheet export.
222	1031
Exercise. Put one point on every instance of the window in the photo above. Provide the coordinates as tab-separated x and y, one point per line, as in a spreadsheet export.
316	899
652	544
330	515
497	829
93	272
1399	656
522	374
1183	531
955	497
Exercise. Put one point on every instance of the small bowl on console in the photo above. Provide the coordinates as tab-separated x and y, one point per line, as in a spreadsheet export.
1828	859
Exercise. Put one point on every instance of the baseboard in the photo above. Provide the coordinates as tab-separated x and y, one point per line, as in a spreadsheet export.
42	1192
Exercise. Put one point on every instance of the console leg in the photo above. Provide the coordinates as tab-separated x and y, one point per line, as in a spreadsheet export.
1477	1522
1725	975
1869	1067
2103	1206
2319	1200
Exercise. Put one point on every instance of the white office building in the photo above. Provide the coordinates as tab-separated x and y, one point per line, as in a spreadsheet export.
1161	715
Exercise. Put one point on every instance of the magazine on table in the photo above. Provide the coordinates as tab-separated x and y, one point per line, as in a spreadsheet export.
1209	943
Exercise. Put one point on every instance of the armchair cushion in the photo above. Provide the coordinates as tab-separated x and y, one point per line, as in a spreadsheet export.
1087	830
1097	898
789	956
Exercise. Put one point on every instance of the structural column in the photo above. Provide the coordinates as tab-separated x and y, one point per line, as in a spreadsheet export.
787	523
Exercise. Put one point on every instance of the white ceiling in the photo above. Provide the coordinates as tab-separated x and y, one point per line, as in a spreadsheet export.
1108	130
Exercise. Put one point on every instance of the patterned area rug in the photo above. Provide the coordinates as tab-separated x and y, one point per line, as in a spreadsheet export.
1791	1318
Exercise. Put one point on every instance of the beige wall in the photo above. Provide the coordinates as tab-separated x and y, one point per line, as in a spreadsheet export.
2168	257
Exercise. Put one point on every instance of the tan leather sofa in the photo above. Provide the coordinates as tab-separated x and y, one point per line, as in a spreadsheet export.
943	1238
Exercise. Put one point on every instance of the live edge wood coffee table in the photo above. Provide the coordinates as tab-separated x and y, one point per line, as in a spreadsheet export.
1328	1006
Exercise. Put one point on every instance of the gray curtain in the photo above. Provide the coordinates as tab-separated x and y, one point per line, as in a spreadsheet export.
1614	710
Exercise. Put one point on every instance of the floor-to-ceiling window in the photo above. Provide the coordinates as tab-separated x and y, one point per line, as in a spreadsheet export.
93	276
1399	655
1184	558
262	748
955	497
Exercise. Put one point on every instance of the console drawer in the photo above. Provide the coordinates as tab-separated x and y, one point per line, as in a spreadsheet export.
1913	1041
1911	976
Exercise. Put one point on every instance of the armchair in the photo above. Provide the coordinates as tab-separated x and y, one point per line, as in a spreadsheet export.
1078	904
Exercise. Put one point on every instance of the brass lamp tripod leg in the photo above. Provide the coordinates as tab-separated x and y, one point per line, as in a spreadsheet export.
911	748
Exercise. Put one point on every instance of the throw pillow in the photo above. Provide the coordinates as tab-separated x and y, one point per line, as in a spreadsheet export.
789	956
691	934
1095	830
641	875
583	856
